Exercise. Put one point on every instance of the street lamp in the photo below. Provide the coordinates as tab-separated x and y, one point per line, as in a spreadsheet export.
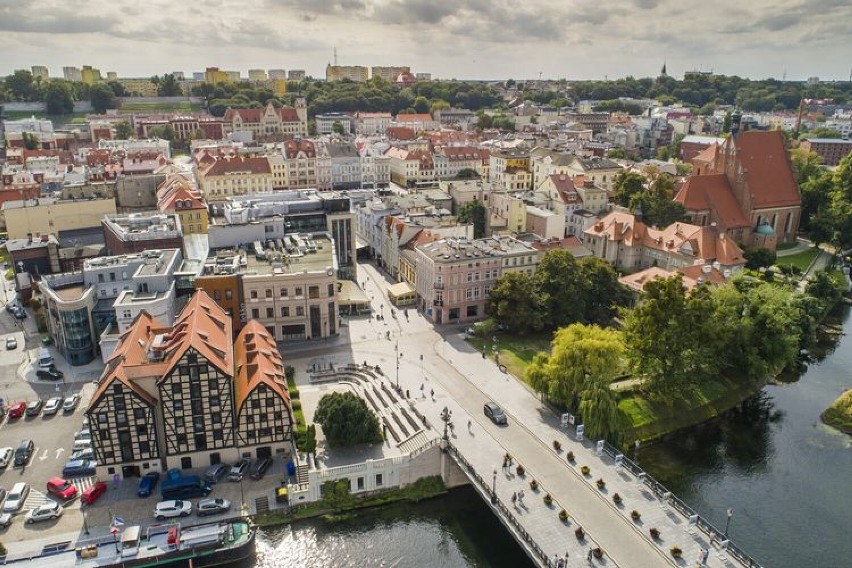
398	357
494	488
446	416
728	522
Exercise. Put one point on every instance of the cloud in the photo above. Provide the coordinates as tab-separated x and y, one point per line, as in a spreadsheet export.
646	4
57	21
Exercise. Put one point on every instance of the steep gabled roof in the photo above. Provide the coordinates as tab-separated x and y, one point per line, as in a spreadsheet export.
767	169
258	362
712	192
253	115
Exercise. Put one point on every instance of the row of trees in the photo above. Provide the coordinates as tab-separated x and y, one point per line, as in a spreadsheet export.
826	198
675	341
562	291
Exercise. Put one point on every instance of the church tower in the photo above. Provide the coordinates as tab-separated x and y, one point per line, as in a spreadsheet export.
302	113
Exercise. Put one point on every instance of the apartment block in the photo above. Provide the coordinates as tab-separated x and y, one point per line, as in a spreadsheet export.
356	73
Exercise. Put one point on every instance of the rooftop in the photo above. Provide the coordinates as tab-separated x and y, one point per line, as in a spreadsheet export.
456	249
294	254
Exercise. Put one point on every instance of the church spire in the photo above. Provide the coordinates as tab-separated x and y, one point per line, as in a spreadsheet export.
663	70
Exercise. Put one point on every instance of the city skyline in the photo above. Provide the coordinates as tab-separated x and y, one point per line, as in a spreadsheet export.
465	39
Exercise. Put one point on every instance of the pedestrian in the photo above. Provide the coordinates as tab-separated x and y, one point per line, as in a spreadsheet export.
555	560
589	557
432	393
514	498
521	498
469	425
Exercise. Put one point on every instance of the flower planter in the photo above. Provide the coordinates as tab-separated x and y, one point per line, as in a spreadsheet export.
616	498
676	551
635	515
548	500
585	470
579	533
520	470
563	515
570	457
534	485
556	445
601	483
655	533
597	552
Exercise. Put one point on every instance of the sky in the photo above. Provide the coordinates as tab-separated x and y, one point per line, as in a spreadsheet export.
462	39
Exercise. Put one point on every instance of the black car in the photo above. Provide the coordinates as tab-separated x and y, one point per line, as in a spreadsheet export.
259	467
50	374
34	407
495	413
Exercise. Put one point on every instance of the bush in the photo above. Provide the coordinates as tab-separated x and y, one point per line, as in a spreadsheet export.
676	551
585	470
297	404
597	552
556	445
579	533
548	500
3	550
655	533
601	483
520	470
534	485
570	457
635	515
346	420
563	515
616	498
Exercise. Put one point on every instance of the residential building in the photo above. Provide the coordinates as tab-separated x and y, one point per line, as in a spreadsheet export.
137	232
831	150
451	160
185	396
453	117
410	167
34	254
296	75
105	297
257	75
89	75
177	196
139	86
369	123
509	168
275	74
244	220
325	123
417	122
370	224
47	215
455	276
626	242
300	166
288	285
693	276
692	145
269	122
544	222
213	76
234	176
72	74
389	74
423	76
399	231
597	121
345	165
356	73
507	212
746	188
40	73
154	146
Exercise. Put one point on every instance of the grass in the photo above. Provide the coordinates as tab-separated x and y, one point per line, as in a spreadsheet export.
800	260
786	246
516	352
839	414
183	106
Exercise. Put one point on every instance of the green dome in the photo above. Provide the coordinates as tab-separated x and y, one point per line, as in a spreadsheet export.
765	229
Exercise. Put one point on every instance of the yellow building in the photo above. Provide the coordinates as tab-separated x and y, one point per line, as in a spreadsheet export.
214	76
90	75
357	73
139	87
49	216
257	75
278	86
176	195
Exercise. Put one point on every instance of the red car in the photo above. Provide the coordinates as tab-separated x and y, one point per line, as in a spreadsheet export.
61	488
17	410
91	494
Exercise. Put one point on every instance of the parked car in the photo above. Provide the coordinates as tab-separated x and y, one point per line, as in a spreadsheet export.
46	512
70	403
238	470
6	456
11	343
15	500
215	472
171	509
24	452
495	413
259	467
80	445
148	483
6	520
79	467
61	488
17	410
84	434
18	312
50	374
212	506
52	406
34	407
91	493
85	454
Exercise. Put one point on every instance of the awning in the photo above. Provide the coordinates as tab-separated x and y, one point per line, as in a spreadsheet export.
351	295
399	290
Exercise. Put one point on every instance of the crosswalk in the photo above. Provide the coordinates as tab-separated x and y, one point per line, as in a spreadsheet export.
38	497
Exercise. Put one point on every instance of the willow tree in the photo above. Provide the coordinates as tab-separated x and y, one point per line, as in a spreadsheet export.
599	408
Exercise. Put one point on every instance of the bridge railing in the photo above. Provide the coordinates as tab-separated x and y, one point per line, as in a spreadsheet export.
660	491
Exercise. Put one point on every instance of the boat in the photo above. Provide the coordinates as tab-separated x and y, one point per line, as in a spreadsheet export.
168	544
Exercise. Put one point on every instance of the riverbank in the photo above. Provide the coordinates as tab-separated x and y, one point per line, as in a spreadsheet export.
839	414
341	504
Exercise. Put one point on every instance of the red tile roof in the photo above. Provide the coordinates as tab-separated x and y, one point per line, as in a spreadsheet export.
423	117
228	165
258	362
293	147
712	193
253	115
767	169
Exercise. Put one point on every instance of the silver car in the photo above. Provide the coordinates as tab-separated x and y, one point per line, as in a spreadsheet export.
52	406
46	512
212	506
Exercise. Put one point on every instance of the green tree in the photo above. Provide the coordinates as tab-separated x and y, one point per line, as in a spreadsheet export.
825	289
164	132
30	141
626	187
841	203
599	409
337	127
421	105
484	121
117	88
346	420
337	495
123	131
102	98
658	203
823	132
21	85
759	257
616	153
603	294
474	212
558	282
467	173
168	86
59	98
514	303
807	165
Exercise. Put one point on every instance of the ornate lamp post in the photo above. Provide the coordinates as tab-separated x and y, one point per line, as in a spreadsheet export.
494	488
730	513
446	416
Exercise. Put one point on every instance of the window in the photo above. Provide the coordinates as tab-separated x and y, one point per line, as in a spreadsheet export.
126	314
229	295
255	313
283	292
298	291
139	413
300	310
313	292
216	417
100	277
179	422
144	447
270	313
285	312
178	405
175	388
141	430
218	434
253	294
330	290
121	418
217	295
378	480
214	401
269	292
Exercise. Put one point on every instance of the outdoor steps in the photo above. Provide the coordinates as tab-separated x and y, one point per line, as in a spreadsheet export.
302	473
416	442
261	504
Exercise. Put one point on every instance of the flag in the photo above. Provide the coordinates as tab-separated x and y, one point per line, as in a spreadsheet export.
117	521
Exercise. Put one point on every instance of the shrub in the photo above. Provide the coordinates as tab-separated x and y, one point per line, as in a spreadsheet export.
563	515
520	470
297	404
616	498
676	551
579	533
548	500
655	533
635	515
570	456
556	445
597	552
534	485
601	483
3	550
585	470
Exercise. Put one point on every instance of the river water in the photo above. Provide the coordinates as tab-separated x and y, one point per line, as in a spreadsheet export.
786	476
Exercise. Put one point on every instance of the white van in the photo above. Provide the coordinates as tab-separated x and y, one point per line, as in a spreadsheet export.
17	496
81	445
45	359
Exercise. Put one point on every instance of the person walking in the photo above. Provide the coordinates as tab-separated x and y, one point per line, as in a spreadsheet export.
432	393
514	498
521	498
469	425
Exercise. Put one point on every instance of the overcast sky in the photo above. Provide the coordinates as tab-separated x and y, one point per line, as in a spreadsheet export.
465	39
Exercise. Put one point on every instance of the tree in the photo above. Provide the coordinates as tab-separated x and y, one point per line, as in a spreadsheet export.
164	132
626	187
841	203
30	141
102	98
807	165
658	205
117	88
557	280
169	86
346	420
123	131
474	212
20	85
616	153
58	98
467	173
421	105
514	303
823	132
599	409
759	257
603	294
337	127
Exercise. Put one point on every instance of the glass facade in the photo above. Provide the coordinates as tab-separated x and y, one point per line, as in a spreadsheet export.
77	332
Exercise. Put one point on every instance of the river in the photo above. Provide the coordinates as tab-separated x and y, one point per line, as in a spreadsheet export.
786	476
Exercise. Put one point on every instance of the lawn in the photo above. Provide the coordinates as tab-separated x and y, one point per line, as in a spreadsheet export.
183	106
516	352
800	260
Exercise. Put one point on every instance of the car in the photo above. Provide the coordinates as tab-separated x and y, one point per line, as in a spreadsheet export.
80	445
50	374
18	312
2	494
171	509
148	483
11	343
238	470
84	434
212	506
215	472
16	498
259	467
46	512
34	407
61	488
6	520
24	452
52	406
70	403
79	467
17	410
91	493
84	454
495	413
10	307
6	456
